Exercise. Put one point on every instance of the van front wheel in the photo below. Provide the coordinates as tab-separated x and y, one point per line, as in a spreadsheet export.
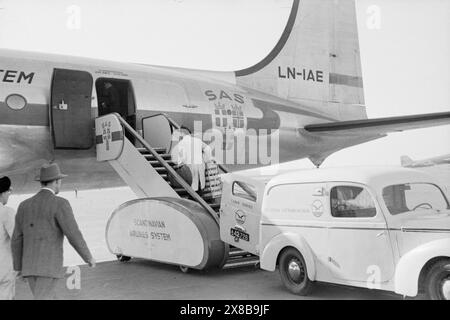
438	281
293	272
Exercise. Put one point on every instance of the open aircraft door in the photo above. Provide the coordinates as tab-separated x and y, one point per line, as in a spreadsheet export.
157	131
71	118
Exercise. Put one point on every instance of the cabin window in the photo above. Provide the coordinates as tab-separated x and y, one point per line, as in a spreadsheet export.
16	101
244	190
351	202
401	198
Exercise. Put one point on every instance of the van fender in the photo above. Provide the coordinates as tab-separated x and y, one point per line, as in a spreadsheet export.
269	256
410	265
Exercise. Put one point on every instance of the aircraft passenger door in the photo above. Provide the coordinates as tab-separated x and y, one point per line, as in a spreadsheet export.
71	118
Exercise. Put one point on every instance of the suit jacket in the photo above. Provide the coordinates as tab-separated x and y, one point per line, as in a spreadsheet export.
37	243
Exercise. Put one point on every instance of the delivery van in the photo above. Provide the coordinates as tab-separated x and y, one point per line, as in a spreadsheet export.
384	228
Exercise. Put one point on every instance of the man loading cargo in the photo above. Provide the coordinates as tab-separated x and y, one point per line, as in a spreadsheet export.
189	156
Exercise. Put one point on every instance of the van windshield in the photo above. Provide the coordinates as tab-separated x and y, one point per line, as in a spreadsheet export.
401	198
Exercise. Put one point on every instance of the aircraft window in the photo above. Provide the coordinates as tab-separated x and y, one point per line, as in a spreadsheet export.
351	202
409	197
16	101
244	190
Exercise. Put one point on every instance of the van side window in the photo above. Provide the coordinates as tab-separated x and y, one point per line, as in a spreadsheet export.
409	197
244	190
351	202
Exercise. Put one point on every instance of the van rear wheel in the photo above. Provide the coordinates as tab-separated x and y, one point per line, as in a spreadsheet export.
293	272
438	281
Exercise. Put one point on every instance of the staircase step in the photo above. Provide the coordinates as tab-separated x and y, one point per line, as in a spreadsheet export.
239	253
160	170
242	262
150	157
145	151
156	163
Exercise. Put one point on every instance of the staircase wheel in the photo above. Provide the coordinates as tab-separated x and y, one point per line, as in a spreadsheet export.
122	258
184	269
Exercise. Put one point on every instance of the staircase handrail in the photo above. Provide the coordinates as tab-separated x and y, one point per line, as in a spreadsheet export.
175	124
169	169
172	122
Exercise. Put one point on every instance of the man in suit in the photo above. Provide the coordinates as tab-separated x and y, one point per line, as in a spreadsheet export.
42	221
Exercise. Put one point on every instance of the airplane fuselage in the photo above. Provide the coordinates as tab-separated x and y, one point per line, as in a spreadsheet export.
304	99
194	99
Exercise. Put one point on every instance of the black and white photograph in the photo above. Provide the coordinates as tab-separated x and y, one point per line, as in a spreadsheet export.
240	152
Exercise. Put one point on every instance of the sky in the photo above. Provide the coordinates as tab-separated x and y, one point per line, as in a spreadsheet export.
405	50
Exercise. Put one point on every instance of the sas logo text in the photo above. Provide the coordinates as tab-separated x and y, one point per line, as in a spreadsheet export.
223	95
300	74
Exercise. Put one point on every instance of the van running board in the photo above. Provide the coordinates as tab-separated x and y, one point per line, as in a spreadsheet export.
237	258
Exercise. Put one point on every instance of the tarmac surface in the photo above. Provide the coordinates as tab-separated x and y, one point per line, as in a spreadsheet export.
146	280
140	279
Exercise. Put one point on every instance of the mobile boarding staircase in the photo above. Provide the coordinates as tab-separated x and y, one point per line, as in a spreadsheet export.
168	224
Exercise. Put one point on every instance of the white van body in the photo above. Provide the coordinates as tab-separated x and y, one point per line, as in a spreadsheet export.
372	246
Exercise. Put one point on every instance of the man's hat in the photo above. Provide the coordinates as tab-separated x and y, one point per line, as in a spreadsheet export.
50	172
5	184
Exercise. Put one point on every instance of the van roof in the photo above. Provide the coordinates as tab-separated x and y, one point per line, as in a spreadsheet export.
377	176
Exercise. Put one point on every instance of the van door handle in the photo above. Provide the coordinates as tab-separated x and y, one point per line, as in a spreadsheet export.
381	233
